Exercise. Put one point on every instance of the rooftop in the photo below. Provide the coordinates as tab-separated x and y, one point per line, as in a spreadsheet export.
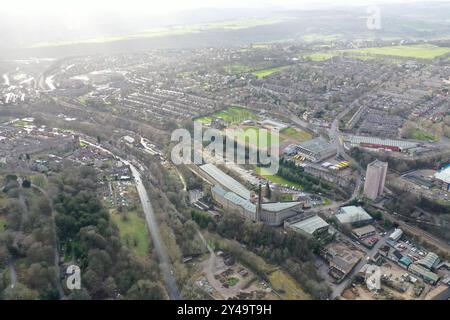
225	180
402	144
352	214
429	260
310	225
279	206
443	175
317	145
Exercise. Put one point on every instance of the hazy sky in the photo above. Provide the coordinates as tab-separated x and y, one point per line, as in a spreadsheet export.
81	7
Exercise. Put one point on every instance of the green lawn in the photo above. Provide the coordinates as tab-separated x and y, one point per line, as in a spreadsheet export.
232	115
133	232
287	287
232	281
295	134
2	223
276	179
238	68
421	51
250	132
267	72
419	134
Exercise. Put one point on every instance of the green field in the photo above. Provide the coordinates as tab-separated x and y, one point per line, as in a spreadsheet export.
133	232
276	179
267	72
251	131
2	223
256	71
232	115
422	51
287	287
238	68
294	134
419	134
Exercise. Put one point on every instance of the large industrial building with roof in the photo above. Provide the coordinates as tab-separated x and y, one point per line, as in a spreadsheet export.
309	226
235	197
380	143
442	178
315	150
355	216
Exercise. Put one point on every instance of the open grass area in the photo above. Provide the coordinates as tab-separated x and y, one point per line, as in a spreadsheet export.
287	287
133	232
232	115
267	72
276	179
419	134
245	133
232	281
421	51
294	134
2	223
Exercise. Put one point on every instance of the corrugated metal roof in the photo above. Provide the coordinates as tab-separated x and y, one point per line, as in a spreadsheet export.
279	206
247	205
443	175
375	140
429	260
352	214
225	180
310	225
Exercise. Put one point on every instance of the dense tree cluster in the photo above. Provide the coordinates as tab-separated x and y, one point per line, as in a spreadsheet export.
287	249
109	269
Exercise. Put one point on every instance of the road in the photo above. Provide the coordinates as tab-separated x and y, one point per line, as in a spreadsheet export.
165	265
338	289
12	272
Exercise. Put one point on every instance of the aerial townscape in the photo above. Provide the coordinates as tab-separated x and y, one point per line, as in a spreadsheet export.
94	205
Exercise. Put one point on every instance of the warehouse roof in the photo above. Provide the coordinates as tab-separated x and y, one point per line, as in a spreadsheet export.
359	232
279	206
429	260
317	145
310	225
423	272
352	214
247	205
402	144
443	175
225	180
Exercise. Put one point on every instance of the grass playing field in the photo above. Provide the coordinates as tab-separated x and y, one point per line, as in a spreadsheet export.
232	115
267	72
422	51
